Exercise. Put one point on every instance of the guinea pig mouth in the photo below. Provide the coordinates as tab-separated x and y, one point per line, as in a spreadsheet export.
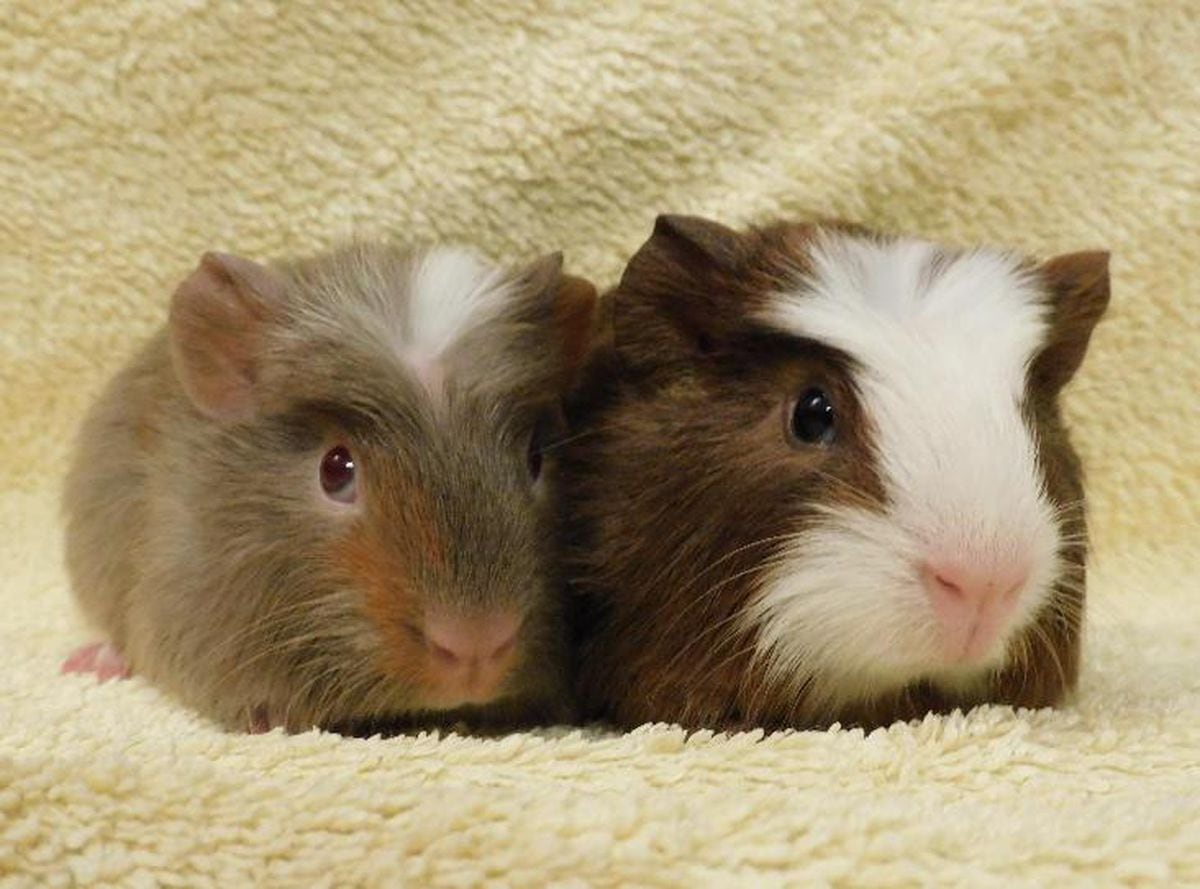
975	645
472	688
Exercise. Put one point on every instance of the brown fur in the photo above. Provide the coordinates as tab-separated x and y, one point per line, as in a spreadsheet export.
390	600
678	486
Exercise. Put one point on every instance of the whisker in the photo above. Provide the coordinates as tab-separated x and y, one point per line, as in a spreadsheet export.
570	439
706	596
291	642
1041	636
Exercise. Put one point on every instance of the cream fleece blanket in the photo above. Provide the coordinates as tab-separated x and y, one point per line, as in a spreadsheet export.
135	135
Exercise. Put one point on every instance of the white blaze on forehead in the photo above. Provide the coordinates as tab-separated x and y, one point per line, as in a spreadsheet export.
452	291
942	360
941	344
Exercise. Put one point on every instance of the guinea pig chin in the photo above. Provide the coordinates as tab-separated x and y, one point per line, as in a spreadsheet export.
859	605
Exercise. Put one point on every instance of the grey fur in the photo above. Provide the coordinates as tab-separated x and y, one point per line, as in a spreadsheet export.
199	548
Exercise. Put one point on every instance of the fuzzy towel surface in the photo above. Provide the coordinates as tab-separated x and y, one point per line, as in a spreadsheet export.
134	136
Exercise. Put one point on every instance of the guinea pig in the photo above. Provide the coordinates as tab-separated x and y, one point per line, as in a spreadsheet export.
322	495
820	475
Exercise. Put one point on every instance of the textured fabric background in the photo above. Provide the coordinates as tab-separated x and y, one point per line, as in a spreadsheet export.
135	135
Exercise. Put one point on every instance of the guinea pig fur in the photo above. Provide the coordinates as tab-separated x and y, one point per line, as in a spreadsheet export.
319	496
820	474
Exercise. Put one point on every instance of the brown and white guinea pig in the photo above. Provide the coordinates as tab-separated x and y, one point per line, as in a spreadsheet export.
318	496
820	474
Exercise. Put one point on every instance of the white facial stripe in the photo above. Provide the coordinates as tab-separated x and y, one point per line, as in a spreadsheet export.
453	291
942	344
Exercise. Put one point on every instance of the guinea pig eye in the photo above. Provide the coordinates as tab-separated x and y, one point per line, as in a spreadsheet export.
812	418
533	458
337	474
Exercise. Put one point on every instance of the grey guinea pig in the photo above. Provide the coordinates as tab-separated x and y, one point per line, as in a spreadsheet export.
820	474
318	496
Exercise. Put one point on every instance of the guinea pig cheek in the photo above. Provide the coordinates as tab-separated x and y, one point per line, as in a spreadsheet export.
837	615
382	577
858	604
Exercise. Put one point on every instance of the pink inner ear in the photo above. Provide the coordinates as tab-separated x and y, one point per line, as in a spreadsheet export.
218	375
218	316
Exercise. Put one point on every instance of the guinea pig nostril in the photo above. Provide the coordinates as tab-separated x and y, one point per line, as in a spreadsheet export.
486	639
958	584
942	583
1014	591
948	585
443	654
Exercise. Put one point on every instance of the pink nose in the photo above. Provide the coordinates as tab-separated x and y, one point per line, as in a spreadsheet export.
972	602
472	655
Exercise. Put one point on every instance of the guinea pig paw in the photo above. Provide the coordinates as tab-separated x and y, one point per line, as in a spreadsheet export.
258	720
101	658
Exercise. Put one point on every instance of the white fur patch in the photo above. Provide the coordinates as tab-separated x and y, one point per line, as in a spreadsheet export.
453	290
942	360
416	307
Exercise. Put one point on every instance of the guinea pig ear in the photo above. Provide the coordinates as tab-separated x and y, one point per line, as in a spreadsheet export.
575	323
572	301
694	239
218	318
681	274
1078	284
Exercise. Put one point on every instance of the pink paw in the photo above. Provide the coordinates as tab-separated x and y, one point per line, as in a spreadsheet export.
100	658
258	720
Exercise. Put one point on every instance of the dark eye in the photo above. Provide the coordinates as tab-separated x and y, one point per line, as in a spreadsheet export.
337	475
812	418
537	443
